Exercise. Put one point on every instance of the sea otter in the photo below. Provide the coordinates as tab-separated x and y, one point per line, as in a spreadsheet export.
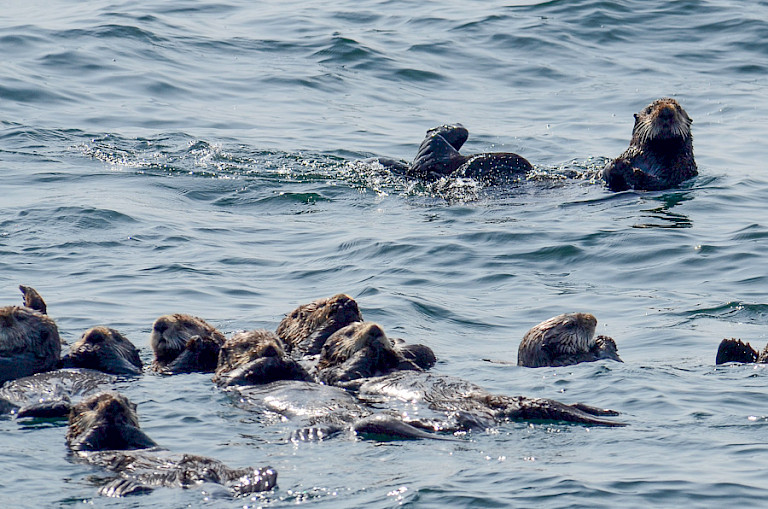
256	357
104	431
438	156
104	349
255	367
734	350
305	329
360	350
660	154
355	356
29	339
184	344
563	340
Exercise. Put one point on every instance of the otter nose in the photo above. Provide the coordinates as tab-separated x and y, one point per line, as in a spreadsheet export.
161	326
667	113
270	351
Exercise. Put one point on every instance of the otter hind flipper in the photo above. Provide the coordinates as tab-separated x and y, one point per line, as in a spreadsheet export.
436	158
382	427
32	299
541	409
454	134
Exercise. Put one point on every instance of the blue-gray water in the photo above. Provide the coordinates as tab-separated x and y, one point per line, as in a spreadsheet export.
196	157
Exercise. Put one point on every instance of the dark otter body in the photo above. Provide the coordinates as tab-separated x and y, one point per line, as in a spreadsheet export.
29	339
734	350
49	394
438	156
660	154
184	344
451	404
564	340
104	349
104	430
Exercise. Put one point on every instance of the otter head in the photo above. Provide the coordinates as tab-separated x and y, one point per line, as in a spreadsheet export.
572	332
104	349
105	421
256	357
171	333
29	342
360	350
663	119
307	327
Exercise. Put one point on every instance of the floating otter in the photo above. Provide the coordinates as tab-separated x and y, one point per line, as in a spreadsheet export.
660	154
104	431
734	350
438	156
361	350
29	339
354	356
305	329
563	340
184	343
104	349
256	357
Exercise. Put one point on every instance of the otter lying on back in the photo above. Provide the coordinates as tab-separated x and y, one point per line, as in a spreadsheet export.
104	349
305	329
256	357
184	344
563	340
660	154
438	156
104	430
355	356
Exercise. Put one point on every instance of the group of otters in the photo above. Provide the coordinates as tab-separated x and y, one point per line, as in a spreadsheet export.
324	367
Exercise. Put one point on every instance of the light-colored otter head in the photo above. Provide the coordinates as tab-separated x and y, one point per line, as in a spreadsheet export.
29	342
256	357
573	332
307	327
245	347
170	334
663	119
354	338
104	349
106	421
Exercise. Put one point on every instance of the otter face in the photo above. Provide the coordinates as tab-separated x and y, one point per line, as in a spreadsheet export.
255	357
308	326
170	334
106	350
663	119
105	421
354	338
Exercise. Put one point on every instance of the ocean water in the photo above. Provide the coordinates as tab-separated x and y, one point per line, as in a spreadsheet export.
200	157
